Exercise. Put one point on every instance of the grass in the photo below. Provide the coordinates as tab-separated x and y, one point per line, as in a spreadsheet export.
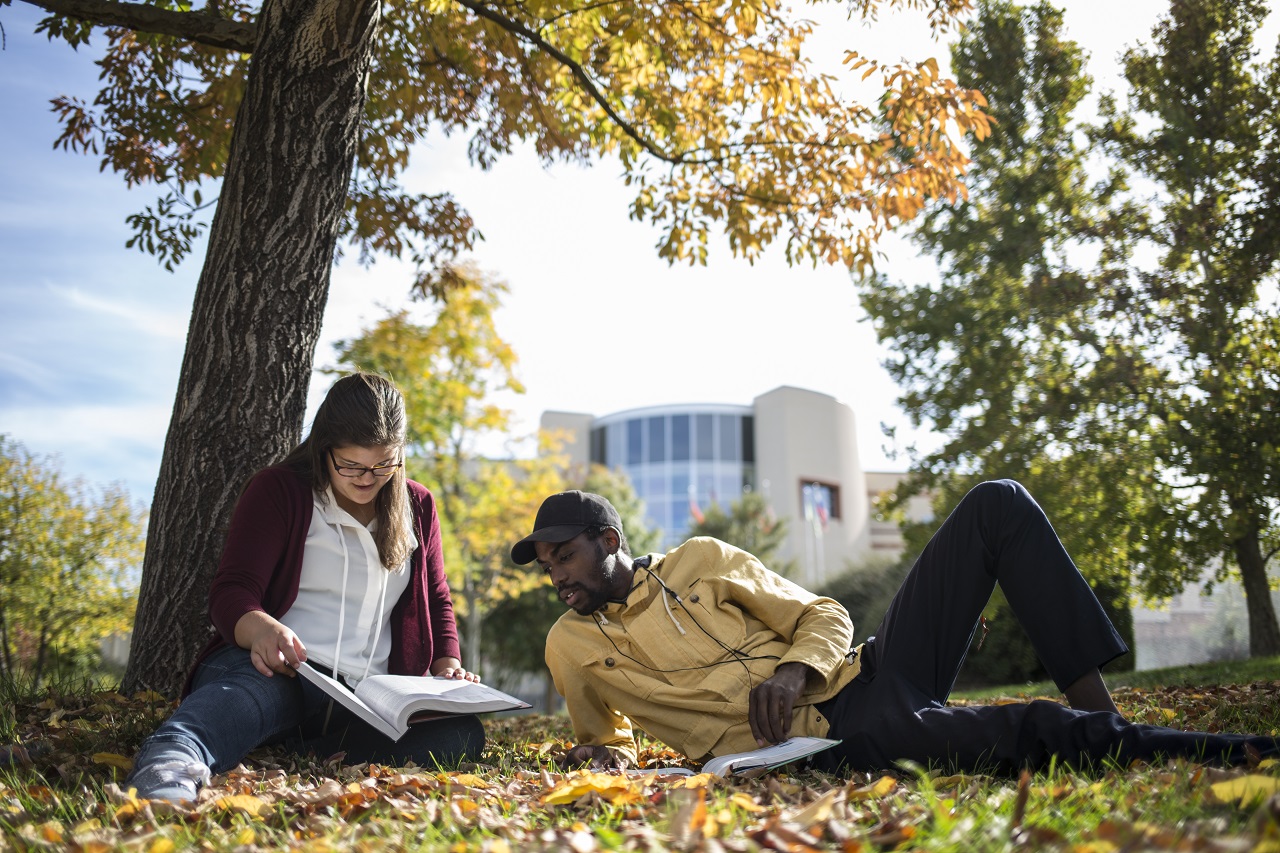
1221	672
67	795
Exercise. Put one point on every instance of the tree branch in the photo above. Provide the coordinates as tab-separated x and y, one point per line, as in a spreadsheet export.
200	27
580	74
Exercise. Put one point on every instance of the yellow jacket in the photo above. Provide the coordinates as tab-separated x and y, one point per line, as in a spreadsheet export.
668	666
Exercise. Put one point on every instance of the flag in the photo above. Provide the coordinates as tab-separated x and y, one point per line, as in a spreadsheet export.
694	509
820	495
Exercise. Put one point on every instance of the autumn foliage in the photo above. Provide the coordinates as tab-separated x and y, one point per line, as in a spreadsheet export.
62	789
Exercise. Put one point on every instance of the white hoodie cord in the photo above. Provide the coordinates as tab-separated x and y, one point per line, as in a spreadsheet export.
667	604
377	633
602	621
342	596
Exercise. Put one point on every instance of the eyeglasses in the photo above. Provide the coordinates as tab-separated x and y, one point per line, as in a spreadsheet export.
354	471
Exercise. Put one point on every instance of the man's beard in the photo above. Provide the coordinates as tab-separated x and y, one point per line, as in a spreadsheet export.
598	596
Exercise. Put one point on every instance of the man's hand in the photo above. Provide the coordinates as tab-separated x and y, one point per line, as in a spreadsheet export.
594	757
771	701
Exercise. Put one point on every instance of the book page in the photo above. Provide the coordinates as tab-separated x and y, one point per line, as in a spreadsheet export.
770	756
399	697
339	691
659	771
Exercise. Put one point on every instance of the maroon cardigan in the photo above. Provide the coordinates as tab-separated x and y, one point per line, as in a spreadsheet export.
261	569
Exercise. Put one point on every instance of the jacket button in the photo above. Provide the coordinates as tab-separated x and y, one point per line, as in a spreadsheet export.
694	598
608	661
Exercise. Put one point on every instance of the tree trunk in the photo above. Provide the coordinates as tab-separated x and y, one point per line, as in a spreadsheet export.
1264	632
256	316
42	646
474	625
550	696
6	653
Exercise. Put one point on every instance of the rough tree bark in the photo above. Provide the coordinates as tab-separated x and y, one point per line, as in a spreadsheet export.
1264	634
257	311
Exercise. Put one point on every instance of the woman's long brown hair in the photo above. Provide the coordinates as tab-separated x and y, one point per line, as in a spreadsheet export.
365	410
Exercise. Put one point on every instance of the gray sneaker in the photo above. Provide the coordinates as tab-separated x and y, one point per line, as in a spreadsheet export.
168	780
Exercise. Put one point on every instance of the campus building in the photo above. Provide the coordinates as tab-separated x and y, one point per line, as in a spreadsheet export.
796	447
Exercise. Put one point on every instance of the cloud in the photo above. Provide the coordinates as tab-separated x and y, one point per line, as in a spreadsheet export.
99	443
26	370
168	325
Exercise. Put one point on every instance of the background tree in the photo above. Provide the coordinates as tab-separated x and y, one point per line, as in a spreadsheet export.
1202	132
448	371
69	558
279	102
522	651
750	525
1050	353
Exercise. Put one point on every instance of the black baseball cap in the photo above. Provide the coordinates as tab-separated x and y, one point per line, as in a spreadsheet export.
562	517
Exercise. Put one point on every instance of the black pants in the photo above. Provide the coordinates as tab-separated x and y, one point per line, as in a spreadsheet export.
896	709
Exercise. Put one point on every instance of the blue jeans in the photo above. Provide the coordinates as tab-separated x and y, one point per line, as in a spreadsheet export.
896	708
233	708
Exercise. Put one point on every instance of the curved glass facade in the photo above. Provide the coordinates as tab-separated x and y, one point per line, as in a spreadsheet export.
680	458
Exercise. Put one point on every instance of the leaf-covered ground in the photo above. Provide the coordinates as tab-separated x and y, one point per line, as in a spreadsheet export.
60	789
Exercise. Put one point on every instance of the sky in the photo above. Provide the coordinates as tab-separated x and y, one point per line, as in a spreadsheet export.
92	333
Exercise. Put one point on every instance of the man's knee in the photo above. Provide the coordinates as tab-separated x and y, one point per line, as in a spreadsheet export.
998	493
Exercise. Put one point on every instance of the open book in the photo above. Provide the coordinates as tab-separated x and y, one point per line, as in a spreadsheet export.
391	703
755	762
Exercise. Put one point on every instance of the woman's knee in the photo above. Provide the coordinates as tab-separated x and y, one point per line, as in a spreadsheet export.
453	739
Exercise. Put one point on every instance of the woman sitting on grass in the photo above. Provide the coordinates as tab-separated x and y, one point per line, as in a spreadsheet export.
336	546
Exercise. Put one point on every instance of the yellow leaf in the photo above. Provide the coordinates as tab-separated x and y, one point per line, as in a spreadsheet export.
817	811
114	759
243	803
877	789
162	845
128	810
745	802
471	780
1246	790
618	790
698	780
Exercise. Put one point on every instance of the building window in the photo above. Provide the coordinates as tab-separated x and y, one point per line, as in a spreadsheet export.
704	437
657	439
730	439
680	438
598	447
819	501
635	442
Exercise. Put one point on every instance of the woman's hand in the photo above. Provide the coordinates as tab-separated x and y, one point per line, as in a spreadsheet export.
272	646
452	668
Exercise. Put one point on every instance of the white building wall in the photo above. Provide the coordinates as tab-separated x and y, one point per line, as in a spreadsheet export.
802	437
1194	626
575	429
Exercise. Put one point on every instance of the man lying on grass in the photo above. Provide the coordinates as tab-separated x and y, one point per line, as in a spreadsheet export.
710	652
